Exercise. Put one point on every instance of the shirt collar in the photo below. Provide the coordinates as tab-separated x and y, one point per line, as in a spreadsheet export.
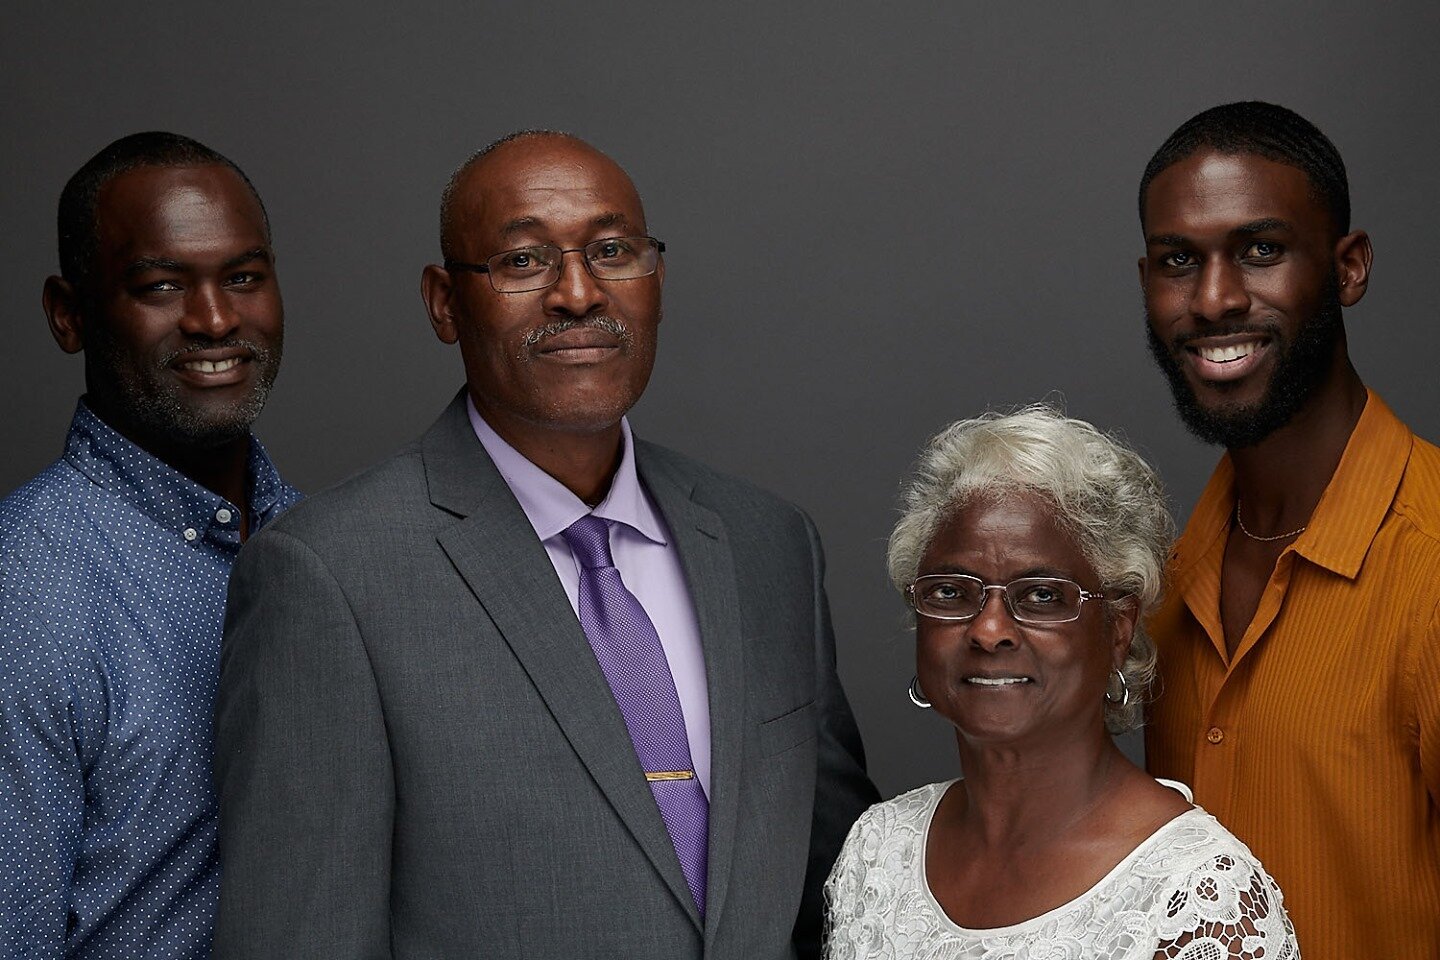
164	494
1360	493
1349	513
550	506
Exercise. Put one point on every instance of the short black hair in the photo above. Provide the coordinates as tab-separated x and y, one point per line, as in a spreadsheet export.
76	225
1266	130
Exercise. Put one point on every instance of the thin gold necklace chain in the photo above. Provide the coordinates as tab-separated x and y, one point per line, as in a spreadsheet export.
1278	536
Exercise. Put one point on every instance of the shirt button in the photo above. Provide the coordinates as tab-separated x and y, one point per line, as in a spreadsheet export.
190	533
1215	735
223	515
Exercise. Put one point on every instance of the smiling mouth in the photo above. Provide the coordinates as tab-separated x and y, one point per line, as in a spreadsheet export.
1227	357
211	366
1228	353
997	681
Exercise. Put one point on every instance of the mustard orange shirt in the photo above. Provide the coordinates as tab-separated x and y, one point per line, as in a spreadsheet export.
1318	742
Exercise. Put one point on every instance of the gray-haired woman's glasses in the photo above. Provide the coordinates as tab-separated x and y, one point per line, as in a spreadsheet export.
535	268
958	596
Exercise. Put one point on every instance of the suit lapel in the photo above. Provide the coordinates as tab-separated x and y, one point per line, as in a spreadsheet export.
704	547
495	550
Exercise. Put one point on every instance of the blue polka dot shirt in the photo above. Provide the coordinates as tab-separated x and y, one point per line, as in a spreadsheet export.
113	569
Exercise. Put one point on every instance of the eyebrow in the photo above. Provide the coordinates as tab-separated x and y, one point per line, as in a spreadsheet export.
522	224
519	225
152	263
1053	573
1263	225
144	264
258	253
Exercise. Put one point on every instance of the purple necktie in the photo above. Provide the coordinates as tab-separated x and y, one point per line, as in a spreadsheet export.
630	656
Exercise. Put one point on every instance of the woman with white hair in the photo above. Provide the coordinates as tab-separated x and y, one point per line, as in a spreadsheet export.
1030	548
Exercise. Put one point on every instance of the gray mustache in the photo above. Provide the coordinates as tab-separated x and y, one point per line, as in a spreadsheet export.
609	324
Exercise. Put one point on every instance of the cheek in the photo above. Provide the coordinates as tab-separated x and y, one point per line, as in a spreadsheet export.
1288	292
132	334
1165	303
1084	666
267	314
492	345
934	649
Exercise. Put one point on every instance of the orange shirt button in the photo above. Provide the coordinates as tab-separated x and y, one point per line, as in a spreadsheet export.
1215	735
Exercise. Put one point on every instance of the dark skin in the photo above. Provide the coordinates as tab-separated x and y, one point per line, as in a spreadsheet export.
182	309
1235	239
1048	805
559	398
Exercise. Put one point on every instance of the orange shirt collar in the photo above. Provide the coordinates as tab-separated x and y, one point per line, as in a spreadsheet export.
1349	512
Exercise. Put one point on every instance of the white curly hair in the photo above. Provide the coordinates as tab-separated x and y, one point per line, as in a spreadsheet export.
1105	496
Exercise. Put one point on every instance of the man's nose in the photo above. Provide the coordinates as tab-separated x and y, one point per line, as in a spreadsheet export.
1220	291
210	312
577	293
993	628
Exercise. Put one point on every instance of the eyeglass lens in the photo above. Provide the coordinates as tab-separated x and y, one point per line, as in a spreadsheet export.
611	258
1032	599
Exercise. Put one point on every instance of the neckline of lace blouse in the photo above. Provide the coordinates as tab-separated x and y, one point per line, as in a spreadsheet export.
1025	925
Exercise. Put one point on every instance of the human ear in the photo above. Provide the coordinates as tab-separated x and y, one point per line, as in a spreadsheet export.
435	288
1124	615
62	309
1353	255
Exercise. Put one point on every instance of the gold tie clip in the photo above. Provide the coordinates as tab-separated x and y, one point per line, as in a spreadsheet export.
669	775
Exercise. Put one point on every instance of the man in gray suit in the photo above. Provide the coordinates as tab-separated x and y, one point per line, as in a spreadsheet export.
452	724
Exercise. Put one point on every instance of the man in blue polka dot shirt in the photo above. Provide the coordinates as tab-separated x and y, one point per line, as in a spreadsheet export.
115	559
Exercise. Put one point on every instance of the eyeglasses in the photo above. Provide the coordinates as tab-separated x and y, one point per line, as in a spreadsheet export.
958	596
535	268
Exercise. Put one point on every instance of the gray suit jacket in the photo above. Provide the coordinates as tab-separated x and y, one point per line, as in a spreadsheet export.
418	756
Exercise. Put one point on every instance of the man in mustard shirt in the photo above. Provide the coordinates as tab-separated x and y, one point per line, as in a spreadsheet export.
1299	687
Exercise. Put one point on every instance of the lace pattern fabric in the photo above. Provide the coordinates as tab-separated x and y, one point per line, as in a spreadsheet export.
1191	891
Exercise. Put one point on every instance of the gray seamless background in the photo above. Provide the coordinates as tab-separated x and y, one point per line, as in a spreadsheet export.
880	219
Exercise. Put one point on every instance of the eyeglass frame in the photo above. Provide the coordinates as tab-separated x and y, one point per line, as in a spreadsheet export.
451	265
1004	594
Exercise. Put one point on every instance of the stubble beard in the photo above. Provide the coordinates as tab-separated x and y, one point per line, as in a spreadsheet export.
155	408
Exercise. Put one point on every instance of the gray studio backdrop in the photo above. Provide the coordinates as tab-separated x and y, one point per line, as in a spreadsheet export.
878	221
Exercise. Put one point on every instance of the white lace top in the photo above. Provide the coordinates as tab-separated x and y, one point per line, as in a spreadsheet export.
1191	891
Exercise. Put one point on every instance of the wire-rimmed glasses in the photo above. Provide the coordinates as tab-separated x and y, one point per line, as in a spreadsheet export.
537	267
959	596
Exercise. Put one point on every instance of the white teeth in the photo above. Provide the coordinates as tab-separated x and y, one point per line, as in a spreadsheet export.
1230	353
996	681
207	366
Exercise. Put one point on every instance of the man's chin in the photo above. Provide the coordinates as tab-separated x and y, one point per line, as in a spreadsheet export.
1233	426
199	426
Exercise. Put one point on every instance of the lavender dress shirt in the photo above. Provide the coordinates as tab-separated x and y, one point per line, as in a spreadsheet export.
644	553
